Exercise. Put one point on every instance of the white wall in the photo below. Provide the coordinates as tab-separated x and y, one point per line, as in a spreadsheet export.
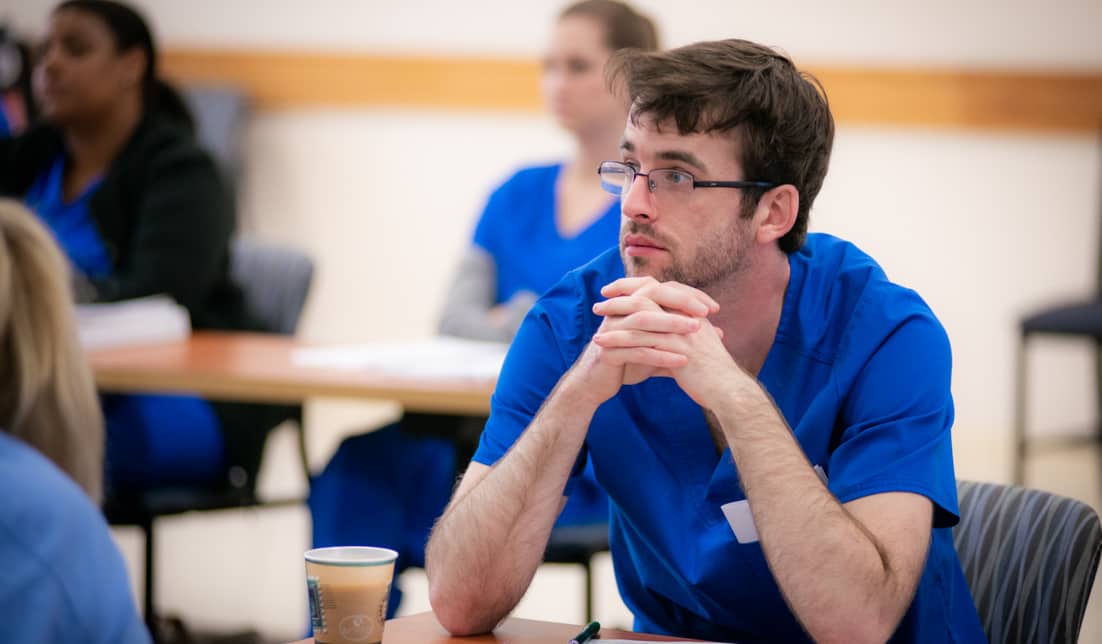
987	33
985	226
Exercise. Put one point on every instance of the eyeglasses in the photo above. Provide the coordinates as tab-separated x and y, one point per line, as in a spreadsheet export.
617	178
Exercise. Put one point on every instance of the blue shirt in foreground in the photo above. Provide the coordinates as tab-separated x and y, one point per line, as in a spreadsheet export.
860	369
64	579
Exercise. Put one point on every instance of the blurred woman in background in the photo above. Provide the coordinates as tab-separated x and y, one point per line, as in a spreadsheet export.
64	578
546	220
541	223
115	174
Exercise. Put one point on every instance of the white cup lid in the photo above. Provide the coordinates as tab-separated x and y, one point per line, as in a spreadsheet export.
351	556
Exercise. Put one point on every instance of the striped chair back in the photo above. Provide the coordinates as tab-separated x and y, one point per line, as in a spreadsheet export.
1030	559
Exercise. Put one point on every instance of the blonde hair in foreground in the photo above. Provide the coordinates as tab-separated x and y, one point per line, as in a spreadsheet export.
47	398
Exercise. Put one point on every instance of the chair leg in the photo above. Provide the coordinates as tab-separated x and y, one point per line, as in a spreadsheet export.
588	590
1018	475
301	427
146	526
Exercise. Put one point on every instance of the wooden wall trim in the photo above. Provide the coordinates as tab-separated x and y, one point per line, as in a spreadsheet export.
987	100
1037	101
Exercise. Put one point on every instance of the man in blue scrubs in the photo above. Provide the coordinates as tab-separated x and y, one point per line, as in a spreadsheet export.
769	414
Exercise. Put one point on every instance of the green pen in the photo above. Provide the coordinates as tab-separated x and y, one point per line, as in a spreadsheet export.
588	633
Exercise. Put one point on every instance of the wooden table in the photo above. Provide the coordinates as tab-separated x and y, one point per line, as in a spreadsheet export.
254	367
424	629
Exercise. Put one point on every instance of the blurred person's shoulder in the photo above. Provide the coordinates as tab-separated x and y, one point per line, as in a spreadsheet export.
162	139
64	576
531	178
164	155
527	195
35	487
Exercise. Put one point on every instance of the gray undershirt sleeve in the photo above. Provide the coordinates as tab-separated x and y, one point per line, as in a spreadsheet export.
471	298
84	291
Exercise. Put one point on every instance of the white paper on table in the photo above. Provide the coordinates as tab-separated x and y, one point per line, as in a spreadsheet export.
145	320
438	357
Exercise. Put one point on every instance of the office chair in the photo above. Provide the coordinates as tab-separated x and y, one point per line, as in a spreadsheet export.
578	545
1030	558
275	282
220	113
1081	319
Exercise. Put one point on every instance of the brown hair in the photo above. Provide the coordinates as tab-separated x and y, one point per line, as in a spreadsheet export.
784	127
48	399
624	27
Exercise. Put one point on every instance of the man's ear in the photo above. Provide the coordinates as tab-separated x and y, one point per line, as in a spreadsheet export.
776	213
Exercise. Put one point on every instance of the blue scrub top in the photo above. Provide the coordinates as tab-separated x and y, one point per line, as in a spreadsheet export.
519	231
64	579
70	222
860	369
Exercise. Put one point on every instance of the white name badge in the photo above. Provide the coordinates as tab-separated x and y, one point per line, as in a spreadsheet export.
742	521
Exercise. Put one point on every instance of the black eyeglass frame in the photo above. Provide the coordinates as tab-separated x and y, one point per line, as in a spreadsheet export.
651	186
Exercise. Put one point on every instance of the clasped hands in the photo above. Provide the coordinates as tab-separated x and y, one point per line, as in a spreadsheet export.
654	329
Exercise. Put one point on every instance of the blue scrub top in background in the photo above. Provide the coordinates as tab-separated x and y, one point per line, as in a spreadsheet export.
518	229
71	222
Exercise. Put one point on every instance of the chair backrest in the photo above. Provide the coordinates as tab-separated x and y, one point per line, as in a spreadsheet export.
1030	558
220	114
275	280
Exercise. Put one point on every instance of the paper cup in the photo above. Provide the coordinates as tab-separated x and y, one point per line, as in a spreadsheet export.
348	588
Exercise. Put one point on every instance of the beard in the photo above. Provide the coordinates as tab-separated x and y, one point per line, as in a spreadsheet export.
715	260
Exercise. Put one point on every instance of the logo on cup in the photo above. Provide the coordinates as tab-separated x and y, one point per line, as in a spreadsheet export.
317	614
356	627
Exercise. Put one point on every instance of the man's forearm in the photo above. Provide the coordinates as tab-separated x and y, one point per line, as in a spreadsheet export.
831	571
488	544
485	549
